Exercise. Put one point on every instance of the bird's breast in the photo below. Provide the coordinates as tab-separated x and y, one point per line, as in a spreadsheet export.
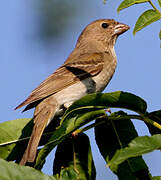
104	77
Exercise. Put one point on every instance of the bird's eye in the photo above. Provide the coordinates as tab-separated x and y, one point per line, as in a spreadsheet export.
105	25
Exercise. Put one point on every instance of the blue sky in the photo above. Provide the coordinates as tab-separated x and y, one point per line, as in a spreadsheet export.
25	61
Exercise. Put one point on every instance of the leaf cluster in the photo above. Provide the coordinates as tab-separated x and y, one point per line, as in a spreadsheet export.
147	17
115	135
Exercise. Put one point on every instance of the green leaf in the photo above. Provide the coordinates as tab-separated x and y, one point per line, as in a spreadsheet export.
156	114
156	178
159	2
12	171
127	3
160	34
85	110
136	147
146	18
15	135
70	124
115	135
118	99
11	133
75	153
67	174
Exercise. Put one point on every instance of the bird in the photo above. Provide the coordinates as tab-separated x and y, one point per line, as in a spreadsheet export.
88	69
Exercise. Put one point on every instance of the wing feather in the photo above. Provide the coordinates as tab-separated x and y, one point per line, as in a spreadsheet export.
84	66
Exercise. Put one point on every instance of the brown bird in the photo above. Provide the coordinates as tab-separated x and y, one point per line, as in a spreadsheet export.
88	69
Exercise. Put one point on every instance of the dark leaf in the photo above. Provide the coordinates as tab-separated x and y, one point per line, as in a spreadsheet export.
75	153
113	136
155	116
67	174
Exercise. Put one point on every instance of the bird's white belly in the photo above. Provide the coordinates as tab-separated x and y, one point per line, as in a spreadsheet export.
74	92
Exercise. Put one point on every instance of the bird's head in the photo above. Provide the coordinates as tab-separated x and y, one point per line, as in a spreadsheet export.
103	31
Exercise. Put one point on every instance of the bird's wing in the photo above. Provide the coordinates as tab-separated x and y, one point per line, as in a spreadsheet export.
71	72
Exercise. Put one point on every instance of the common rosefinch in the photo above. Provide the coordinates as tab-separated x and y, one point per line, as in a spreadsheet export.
88	69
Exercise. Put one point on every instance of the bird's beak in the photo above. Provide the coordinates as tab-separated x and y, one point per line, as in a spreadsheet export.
120	28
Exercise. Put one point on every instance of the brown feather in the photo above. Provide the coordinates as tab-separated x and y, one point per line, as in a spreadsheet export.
44	112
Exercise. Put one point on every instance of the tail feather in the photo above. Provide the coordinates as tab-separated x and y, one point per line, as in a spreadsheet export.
41	119
22	104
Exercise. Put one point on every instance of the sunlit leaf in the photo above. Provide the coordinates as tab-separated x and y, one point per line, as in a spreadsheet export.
13	171
136	147
156	178
159	2
11	133
127	3
145	19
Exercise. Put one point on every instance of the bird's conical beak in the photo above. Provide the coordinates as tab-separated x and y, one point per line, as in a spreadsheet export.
120	28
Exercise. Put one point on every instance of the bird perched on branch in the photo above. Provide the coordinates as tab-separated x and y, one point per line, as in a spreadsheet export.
88	69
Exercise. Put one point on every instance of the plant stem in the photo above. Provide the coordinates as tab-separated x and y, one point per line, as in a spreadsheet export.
110	118
106	119
22	139
146	119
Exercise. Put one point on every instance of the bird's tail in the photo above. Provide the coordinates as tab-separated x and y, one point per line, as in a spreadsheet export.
44	113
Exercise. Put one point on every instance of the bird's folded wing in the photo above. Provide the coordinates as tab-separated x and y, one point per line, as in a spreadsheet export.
86	65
